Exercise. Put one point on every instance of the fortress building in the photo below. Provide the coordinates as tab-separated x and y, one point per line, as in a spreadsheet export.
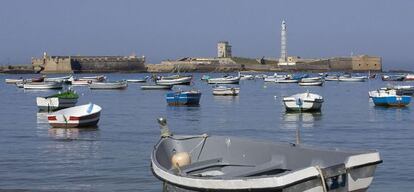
76	64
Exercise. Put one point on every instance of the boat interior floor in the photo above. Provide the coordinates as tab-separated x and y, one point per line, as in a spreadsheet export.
217	168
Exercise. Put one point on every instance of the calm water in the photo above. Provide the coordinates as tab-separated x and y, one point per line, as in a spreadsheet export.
116	156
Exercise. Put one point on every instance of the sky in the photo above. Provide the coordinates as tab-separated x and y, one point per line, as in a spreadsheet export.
170	29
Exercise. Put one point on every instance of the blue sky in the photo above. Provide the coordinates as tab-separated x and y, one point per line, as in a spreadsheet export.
166	29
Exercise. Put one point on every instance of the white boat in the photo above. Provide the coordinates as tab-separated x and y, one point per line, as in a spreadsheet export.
143	80
226	163
286	80
155	87
184	80
269	79
331	78
99	78
226	91
409	77
109	85
352	79
43	85
303	102
57	101
224	80
14	81
311	79
274	77
246	77
80	116
20	85
76	82
312	83
58	79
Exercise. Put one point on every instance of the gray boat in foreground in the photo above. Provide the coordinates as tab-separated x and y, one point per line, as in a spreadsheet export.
226	163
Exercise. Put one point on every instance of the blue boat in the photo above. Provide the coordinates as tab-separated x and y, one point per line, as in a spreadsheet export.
389	98
183	98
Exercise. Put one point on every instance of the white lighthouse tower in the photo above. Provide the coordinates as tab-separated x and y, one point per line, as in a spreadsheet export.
283	43
284	59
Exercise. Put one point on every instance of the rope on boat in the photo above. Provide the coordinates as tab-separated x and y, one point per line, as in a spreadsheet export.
322	178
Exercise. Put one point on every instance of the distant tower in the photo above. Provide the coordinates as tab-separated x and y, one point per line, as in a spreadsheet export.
223	49
283	43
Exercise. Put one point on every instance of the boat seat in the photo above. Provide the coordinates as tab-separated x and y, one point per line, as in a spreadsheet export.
271	167
203	165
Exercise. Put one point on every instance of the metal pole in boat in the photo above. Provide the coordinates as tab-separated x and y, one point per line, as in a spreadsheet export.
165	132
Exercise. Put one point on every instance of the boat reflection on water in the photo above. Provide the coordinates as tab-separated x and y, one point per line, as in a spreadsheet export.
41	118
293	120
226	99
88	133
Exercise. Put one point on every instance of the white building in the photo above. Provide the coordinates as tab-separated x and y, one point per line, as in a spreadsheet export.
223	49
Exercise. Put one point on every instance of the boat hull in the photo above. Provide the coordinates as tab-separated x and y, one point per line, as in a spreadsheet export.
223	81
392	101
43	85
316	83
115	85
79	116
226	91
183	98
178	81
305	105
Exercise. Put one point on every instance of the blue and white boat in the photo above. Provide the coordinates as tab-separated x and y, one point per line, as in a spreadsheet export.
183	98
389	98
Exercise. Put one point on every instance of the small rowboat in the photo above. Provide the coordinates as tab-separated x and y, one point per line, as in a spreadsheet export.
183	98
43	85
58	79
109	85
79	116
352	79
144	80
303	102
389	98
99	78
313	83
228	163
224	80
57	101
311	79
286	80
154	87
331	78
80	82
226	91
182	80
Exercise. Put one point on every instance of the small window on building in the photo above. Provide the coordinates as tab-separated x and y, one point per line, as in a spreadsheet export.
359	64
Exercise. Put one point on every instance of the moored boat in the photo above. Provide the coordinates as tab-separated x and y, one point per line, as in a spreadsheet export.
109	85
99	78
352	79
205	77
224	80
58	79
401	89
226	91
389	98
43	85
182	80
80	116
303	102
311	83
331	78
311	79
246	77
143	80
227	163
409	77
57	101
183	98
393	77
